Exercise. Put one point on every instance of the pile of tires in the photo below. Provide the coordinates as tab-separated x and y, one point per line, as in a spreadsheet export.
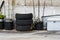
24	22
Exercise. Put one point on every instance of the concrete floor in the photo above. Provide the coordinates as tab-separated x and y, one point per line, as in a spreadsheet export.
31	35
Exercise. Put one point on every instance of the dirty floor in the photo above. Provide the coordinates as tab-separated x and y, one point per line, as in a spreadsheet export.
29	35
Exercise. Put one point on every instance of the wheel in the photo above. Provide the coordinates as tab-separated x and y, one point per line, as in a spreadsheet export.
23	28
39	26
24	22
24	16
8	24
1	24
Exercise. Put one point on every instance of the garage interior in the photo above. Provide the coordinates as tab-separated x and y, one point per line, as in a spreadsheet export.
29	19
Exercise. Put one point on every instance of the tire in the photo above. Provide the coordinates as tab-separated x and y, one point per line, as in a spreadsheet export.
8	24
23	28
39	26
1	24
24	22
24	16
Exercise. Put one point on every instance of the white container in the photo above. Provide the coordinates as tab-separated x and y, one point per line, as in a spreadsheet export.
50	19
53	25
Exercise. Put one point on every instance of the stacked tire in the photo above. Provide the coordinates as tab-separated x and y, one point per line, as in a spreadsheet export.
8	24
1	24
24	22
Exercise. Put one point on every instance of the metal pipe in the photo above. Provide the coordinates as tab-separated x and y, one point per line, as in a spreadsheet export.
25	2
13	4
51	15
33	11
51	3
43	9
38	10
2	5
8	9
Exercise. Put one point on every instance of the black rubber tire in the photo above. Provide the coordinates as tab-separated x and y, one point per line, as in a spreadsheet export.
24	16
8	24
23	28
24	22
2	24
39	26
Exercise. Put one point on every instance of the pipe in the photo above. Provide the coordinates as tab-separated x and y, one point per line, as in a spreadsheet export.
51	15
13	4
38	10
43	9
33	10
2	5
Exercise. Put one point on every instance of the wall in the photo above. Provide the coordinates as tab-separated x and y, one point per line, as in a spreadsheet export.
49	10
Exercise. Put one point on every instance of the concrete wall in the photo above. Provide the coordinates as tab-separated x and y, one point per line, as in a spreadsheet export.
20	8
47	2
49	10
